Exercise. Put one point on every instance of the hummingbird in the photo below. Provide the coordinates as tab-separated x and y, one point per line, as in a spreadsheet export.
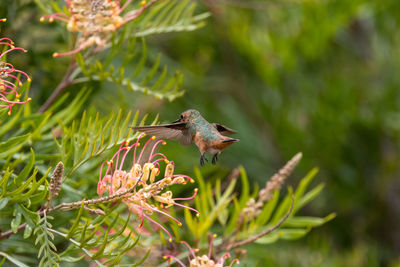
190	128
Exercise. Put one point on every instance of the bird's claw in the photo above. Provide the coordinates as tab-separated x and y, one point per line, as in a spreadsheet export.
214	159
202	159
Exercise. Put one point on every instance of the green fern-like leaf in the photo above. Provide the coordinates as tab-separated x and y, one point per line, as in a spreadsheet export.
110	236
47	251
92	135
211	208
294	227
223	206
169	16
127	64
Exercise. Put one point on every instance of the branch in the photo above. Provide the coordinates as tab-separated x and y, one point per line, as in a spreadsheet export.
77	204
65	82
10	232
13	260
136	13
269	230
71	206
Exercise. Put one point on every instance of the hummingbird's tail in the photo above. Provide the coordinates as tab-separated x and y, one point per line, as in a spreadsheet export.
230	140
222	144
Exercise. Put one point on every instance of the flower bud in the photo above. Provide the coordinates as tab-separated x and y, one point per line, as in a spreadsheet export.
56	180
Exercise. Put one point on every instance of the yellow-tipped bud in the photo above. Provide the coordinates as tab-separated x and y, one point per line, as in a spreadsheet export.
118	24
55	54
164	143
170	240
51	20
153	137
143	3
42	19
214	235
166	161
146	171
20	84
198	215
3	20
136	171
165	257
29	79
29	99
153	174
130	183
179	224
9	112
192	181
169	170
179	180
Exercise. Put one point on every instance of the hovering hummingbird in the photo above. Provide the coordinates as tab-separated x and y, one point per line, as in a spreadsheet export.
191	127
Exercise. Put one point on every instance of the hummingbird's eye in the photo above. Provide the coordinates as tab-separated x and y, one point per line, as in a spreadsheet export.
182	117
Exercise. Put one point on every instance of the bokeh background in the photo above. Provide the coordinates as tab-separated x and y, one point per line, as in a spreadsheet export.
321	77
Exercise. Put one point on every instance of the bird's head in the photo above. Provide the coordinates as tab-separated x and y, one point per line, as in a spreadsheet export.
188	115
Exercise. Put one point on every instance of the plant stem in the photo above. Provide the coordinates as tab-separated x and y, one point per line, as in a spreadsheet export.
65	82
13	260
10	232
76	243
70	206
254	238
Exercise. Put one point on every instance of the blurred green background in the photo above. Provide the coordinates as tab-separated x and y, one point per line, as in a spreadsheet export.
321	77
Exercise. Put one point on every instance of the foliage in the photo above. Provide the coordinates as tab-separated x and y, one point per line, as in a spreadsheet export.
315	76
52	215
213	203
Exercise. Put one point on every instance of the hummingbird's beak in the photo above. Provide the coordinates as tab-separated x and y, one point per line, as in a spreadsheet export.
178	120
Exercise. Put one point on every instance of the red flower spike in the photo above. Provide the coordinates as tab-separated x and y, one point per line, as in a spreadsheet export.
7	71
94	20
140	181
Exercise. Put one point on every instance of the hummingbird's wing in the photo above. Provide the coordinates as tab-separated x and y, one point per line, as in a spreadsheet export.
174	131
222	129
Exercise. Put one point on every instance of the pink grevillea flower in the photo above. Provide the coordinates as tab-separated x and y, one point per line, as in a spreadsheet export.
9	76
95	20
142	191
204	260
